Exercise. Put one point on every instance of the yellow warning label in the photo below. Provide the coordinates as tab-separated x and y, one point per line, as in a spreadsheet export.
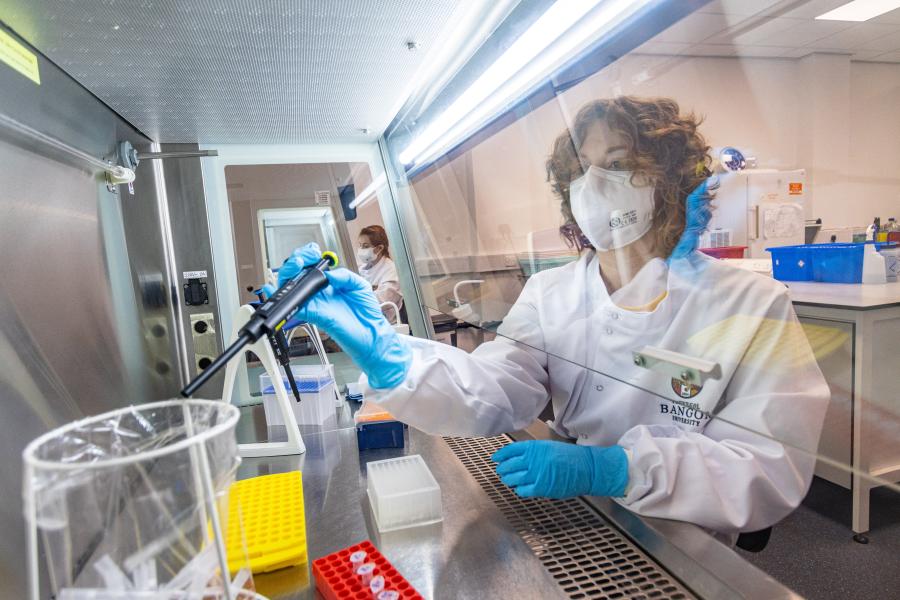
19	57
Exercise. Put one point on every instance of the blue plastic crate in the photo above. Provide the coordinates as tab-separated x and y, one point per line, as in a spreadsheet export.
838	263
791	263
828	263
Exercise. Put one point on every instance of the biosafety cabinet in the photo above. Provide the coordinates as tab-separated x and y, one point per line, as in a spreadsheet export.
459	126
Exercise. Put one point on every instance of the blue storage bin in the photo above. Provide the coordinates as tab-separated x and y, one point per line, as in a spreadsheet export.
828	263
838	263
791	263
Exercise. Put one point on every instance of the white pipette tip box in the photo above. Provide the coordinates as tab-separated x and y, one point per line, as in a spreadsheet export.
403	493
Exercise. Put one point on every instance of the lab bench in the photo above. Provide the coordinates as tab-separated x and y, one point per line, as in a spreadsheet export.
492	544
854	330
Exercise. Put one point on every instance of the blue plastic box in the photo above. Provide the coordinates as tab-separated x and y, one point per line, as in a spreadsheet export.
792	263
828	263
838	263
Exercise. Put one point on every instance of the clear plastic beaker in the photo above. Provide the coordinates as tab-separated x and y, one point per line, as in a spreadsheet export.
132	503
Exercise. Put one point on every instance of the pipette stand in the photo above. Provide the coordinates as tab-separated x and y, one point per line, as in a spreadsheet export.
313	333
262	349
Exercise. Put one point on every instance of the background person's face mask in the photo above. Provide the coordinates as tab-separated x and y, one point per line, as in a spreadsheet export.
365	256
610	211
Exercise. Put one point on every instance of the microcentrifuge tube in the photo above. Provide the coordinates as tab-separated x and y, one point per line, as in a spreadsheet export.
357	559
376	586
365	573
389	595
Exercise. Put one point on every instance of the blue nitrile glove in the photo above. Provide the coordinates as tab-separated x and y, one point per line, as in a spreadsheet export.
698	214
540	468
349	312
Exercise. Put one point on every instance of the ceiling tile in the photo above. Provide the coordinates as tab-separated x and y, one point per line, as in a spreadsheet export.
885	43
752	31
798	52
889	57
769	31
666	48
696	27
855	36
764	51
888	17
801	32
739	7
866	55
810	9
710	50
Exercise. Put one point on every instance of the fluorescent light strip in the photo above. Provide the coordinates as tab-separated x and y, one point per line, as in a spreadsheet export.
559	17
368	194
546	63
860	10
474	21
554	38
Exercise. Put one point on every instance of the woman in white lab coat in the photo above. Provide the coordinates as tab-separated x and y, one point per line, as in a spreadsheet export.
735	453
376	266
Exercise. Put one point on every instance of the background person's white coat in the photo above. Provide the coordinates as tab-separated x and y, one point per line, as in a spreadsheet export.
566	341
386	283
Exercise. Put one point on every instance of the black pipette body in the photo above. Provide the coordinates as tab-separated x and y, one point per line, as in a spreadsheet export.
270	316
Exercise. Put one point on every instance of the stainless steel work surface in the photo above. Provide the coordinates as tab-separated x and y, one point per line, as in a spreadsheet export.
492	543
473	553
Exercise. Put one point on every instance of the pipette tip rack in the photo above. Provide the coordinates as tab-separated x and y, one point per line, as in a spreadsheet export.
336	579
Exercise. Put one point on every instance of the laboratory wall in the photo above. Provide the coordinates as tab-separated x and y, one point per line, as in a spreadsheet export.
252	188
368	213
836	118
874	124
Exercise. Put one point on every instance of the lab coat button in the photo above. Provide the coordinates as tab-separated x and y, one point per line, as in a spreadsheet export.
609	331
614	316
599	388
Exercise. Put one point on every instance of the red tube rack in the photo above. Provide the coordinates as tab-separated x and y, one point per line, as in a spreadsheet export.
336	581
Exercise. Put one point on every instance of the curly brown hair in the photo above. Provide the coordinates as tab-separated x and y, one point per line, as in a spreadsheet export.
663	148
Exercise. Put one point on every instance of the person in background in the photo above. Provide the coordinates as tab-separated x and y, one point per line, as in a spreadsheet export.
734	453
376	267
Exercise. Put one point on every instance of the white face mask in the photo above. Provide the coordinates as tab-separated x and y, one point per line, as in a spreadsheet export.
365	255
610	211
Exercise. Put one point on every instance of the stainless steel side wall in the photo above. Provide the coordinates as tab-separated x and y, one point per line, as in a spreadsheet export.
74	291
192	252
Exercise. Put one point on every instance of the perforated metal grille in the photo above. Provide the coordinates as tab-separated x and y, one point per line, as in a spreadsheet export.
585	555
233	71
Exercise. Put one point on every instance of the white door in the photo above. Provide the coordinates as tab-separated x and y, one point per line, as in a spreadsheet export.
282	230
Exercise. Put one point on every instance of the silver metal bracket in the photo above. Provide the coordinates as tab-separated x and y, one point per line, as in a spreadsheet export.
110	186
129	157
674	364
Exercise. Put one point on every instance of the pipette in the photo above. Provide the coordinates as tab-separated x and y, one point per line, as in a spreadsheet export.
271	316
281	348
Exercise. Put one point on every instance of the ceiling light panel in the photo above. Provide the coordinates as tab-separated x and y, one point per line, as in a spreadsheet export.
860	10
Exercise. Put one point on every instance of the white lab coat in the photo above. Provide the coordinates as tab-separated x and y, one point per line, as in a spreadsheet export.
386	283
566	341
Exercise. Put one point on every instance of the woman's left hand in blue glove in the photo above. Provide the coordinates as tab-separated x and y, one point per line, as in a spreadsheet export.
540	468
349	312
698	213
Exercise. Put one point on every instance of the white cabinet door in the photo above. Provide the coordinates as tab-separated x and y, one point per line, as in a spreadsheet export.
832	343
